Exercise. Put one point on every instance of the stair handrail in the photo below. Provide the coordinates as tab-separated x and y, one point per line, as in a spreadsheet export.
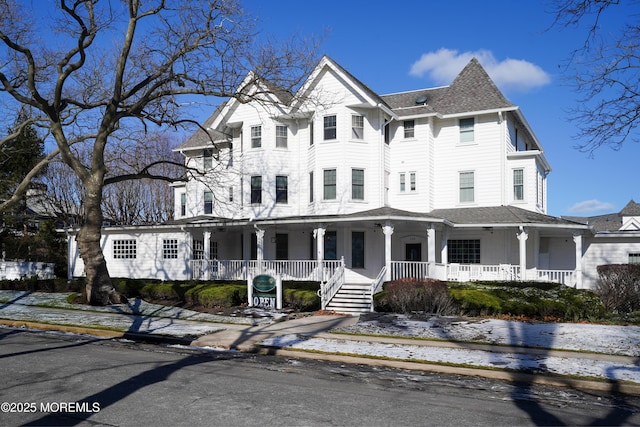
331	287
376	285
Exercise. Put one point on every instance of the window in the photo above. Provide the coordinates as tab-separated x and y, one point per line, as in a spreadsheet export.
207	159
213	249
281	136
198	249
125	249
403	181
170	249
330	127
466	187
183	204
464	251
330	245
409	129
357	127
311	187
208	202
282	246
634	258
466	130
357	249
256	189
329	184
518	184
231	194
256	136
281	189
357	184
310	133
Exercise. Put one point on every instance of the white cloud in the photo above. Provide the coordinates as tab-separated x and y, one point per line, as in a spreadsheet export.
591	207
443	65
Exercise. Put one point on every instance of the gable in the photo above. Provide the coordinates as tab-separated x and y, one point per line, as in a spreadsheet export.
630	224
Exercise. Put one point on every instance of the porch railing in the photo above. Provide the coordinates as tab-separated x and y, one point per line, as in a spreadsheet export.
309	270
402	269
241	269
329	289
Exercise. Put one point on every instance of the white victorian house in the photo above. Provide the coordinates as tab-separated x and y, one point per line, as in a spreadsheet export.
351	188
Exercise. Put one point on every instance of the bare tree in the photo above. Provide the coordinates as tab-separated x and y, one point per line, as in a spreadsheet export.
95	73
605	71
142	201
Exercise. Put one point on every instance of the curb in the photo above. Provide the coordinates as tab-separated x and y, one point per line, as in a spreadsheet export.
423	366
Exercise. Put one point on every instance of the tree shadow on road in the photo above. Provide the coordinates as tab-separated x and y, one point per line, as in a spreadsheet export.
117	392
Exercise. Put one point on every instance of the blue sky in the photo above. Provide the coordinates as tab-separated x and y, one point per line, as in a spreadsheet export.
406	45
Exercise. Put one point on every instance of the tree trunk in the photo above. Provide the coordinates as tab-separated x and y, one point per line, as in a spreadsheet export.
99	289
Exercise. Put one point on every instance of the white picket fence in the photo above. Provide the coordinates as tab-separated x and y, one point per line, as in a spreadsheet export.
19	270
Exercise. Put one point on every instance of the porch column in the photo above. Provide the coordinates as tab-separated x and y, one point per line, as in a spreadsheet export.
188	249
259	245
444	248
431	243
577	239
318	234
206	253
522	237
387	229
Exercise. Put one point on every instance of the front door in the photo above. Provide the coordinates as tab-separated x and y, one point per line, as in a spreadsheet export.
413	252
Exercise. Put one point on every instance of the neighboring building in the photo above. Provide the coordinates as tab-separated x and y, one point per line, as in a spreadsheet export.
335	179
616	240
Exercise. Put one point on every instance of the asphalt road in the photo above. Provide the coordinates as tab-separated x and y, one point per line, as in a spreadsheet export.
49	379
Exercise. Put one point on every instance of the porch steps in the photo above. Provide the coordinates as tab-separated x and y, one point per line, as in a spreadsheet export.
351	299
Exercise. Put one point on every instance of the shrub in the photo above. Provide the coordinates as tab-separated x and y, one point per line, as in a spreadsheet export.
476	301
301	299
214	295
160	291
619	287
407	295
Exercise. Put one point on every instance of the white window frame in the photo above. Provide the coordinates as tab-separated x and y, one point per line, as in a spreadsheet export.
467	130
282	191
357	127
464	187
282	132
330	127
518	185
207	202
125	249
170	249
334	184
409	186
409	127
359	185
256	136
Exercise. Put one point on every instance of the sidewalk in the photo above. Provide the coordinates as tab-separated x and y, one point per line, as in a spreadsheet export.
517	356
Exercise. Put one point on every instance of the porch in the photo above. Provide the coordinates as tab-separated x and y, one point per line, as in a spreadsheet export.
358	295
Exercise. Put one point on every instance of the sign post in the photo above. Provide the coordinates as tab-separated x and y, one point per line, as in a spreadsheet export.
265	291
